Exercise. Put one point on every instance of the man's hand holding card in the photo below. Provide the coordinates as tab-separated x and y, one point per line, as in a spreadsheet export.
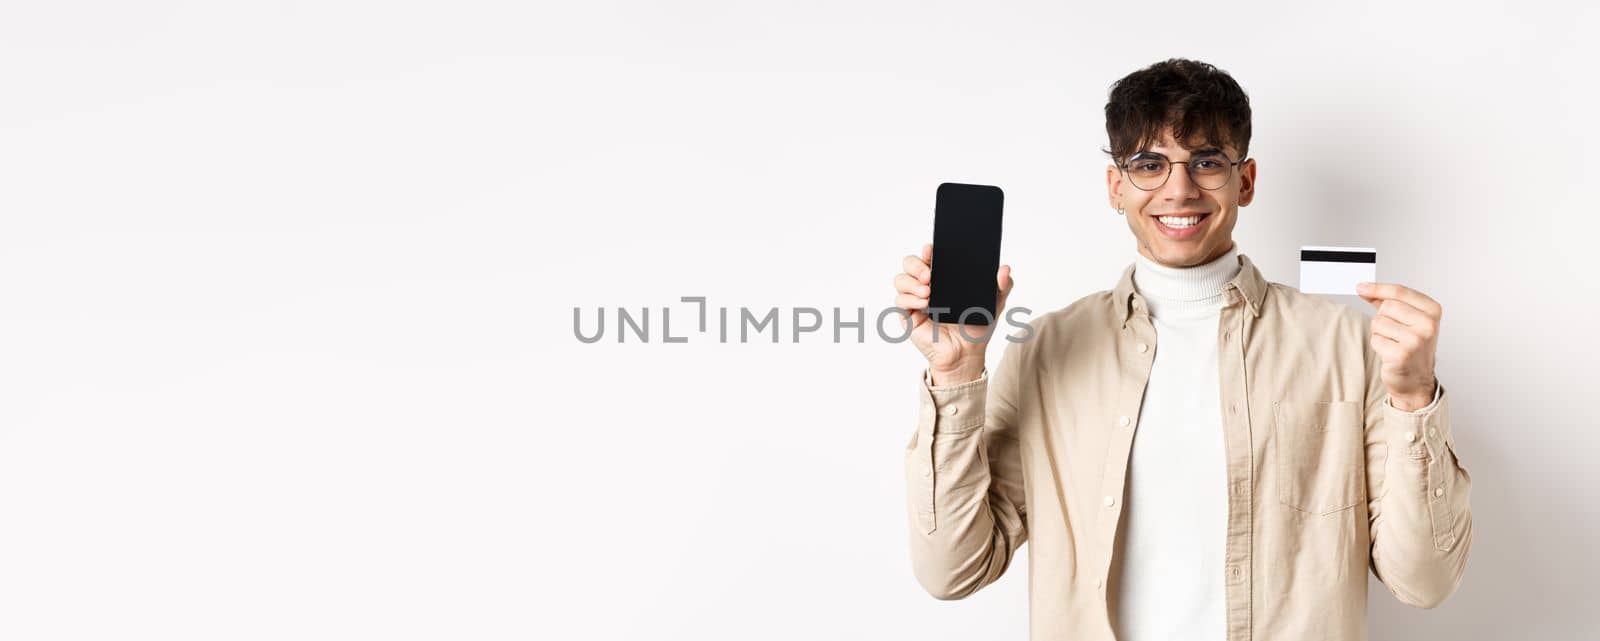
1405	330
1405	334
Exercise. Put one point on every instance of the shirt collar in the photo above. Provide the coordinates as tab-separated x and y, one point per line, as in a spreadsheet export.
1248	283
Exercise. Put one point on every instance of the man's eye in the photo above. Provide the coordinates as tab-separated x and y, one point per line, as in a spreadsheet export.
1208	163
1147	166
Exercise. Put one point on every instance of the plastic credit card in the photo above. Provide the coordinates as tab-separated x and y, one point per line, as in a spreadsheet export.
1336	270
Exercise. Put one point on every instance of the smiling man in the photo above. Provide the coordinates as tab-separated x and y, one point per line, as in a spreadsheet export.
1196	453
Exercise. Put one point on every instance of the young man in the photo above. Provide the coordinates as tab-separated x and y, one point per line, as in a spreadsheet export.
1197	453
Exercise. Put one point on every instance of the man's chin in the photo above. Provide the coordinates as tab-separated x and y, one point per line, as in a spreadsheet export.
1178	254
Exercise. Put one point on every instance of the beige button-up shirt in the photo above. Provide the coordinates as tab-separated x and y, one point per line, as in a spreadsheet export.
1325	477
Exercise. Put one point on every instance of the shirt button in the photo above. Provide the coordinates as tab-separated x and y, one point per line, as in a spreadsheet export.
1225	336
1411	436
1143	348
1110	501
927	470
1099	583
1123	421
949	410
1233	408
1439	492
1432	433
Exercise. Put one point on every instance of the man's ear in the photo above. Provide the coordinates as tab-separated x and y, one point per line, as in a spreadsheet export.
1113	184
1247	182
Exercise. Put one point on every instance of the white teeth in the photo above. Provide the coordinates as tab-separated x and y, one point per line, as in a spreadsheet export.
1179	222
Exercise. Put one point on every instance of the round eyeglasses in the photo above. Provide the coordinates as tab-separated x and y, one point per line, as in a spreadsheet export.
1209	170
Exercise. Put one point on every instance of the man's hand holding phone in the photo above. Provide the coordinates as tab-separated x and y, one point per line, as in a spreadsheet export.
955	353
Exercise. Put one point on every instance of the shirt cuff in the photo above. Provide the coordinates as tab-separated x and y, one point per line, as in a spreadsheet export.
955	408
1437	390
1418	433
927	379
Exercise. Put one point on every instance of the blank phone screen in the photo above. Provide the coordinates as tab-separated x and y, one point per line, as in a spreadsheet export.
966	253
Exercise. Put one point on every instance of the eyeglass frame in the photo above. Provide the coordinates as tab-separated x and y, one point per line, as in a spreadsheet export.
1186	168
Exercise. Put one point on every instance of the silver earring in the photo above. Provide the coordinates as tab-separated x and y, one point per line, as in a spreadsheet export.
1120	212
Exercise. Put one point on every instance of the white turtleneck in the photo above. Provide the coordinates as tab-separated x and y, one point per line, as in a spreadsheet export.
1171	584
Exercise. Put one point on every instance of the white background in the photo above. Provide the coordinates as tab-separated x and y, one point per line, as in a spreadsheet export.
287	291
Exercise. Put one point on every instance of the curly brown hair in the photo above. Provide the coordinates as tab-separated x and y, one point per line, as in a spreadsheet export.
1203	104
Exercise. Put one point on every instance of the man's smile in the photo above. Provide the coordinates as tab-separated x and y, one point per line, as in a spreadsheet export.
1182	225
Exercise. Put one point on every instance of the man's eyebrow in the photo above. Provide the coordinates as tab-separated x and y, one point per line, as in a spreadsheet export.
1207	149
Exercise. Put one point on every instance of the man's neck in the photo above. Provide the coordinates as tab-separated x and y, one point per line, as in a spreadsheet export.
1184	291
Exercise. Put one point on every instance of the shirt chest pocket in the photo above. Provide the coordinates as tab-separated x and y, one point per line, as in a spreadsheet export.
1320	453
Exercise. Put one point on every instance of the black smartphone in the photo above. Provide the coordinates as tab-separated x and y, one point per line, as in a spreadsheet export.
966	254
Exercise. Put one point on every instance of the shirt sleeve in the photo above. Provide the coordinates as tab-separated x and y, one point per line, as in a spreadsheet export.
1420	516
964	483
1437	390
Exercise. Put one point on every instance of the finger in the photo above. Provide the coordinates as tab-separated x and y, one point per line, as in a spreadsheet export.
927	253
908	301
1399	334
912	317
914	266
1388	350
918	318
1403	313
1395	291
1003	277
905	284
917	326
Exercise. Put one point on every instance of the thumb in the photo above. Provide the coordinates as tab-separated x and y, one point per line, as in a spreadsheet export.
1006	283
913	320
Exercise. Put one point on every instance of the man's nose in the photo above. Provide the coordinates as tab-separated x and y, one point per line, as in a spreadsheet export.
1179	187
